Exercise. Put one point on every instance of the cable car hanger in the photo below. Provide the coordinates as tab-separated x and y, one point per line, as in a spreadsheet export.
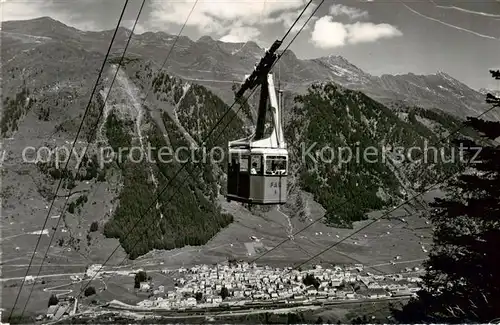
261	76
257	166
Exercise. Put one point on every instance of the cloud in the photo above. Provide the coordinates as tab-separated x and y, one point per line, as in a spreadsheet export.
351	12
229	18
129	24
241	34
328	33
370	32
288	18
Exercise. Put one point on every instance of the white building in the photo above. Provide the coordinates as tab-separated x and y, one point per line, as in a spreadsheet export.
51	311
29	279
93	269
146	303
191	301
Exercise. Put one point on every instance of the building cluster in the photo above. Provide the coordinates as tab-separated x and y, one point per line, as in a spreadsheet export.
66	306
240	283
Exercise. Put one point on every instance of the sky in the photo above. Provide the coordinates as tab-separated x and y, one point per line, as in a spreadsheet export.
461	38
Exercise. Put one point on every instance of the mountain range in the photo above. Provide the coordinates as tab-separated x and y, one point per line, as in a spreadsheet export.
49	70
217	65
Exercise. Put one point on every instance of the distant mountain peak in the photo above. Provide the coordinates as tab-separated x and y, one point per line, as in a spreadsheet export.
444	75
206	39
252	44
125	29
47	19
42	26
485	91
155	34
44	21
338	58
44	18
288	54
338	61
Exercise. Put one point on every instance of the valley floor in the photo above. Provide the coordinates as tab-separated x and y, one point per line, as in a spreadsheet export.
387	246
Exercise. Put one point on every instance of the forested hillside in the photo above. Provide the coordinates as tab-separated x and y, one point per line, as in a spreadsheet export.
380	172
187	212
328	116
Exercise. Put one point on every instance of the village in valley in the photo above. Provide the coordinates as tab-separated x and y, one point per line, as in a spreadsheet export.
233	284
239	283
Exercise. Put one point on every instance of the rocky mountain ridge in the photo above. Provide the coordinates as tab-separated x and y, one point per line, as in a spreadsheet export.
217	65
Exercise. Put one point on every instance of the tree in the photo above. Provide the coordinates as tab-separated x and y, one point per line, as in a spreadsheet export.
53	300
140	276
199	296
71	207
319	320
311	280
357	287
224	293
301	206
462	280
294	318
89	291
94	226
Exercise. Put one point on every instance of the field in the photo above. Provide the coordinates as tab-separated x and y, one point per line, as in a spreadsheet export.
377	245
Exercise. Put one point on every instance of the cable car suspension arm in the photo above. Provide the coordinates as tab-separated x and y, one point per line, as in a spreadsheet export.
260	77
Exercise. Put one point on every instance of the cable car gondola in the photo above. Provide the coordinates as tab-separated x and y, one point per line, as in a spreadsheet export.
257	166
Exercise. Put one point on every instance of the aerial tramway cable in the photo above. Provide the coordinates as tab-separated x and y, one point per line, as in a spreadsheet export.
297	232
187	162
88	144
444	179
315	256
144	100
309	224
102	108
72	148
